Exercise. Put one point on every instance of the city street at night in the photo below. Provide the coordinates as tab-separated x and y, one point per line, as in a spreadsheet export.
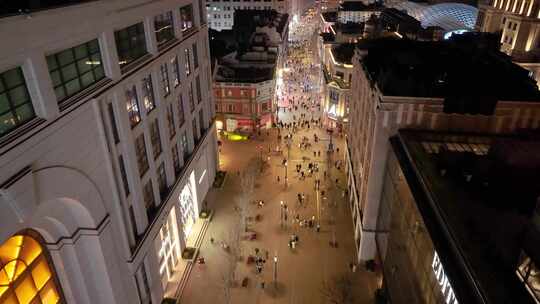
302	270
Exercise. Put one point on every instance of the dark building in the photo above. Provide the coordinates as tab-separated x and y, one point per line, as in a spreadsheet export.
456	221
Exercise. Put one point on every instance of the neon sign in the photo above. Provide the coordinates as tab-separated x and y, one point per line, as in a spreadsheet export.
442	279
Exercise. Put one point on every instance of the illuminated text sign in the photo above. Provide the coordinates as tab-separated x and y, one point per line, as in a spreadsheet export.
444	283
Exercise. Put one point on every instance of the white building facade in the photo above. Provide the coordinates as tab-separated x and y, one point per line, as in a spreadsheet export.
107	149
221	12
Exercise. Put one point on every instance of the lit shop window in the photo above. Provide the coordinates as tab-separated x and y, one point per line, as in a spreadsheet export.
25	274
169	249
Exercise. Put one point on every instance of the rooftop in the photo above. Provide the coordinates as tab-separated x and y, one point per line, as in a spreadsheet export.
328	37
244	74
477	212
349	27
343	53
458	70
356	6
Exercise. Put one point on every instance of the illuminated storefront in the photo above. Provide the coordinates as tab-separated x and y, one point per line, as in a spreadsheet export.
169	251
188	205
26	275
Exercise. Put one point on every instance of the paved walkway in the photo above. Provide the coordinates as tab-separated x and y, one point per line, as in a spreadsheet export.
300	272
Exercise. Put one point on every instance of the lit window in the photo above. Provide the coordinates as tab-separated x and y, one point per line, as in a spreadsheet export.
163	25
186	17
175	71
148	94
130	44
187	62
132	106
15	104
25	274
165	86
75	69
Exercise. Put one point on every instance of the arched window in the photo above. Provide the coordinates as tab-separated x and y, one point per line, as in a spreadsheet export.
26	276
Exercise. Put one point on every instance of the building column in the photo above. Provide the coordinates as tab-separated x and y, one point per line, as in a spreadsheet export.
38	81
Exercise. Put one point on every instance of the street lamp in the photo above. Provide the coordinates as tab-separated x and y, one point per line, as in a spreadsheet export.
286	179
281	214
275	268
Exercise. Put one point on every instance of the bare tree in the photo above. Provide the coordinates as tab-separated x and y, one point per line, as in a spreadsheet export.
338	290
231	246
247	186
232	239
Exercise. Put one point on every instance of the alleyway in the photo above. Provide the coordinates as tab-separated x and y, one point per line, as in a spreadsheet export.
300	271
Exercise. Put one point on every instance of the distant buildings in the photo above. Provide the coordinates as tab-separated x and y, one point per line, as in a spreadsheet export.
221	12
245	80
518	23
452	85
459	217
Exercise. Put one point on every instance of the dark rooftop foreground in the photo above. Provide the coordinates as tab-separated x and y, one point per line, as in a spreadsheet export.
476	205
244	74
343	53
460	70
351	6
14	7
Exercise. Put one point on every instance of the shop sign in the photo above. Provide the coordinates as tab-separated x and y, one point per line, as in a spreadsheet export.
442	279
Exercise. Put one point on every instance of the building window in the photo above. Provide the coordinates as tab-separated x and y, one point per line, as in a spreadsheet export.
187	64
186	17
195	131
202	125
181	115
155	139
185	151
148	94
198	88
140	151
170	121
175	71
176	160
149	200
164	28
133	222
165	86
191	99
142	287
132	106
162	181
130	44
75	69
202	16
26	274
123	174
113	123
195	55
15	103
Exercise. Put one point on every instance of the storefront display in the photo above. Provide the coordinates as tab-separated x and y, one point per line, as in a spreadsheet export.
169	247
188	205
